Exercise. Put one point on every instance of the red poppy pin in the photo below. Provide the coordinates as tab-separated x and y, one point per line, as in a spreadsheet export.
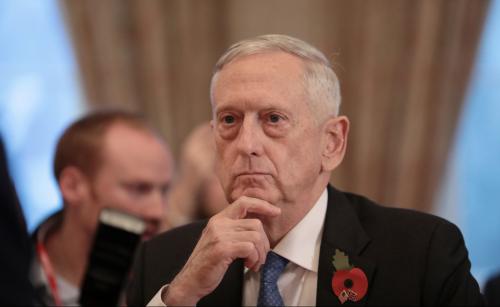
348	282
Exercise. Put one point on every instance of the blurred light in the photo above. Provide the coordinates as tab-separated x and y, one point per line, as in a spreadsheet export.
39	96
471	194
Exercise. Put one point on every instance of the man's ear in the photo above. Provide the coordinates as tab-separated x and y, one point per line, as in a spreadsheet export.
74	186
336	130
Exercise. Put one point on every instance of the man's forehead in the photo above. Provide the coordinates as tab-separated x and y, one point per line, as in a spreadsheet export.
251	64
125	141
266	75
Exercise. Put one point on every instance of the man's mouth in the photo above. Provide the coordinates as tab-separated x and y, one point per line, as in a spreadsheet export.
252	174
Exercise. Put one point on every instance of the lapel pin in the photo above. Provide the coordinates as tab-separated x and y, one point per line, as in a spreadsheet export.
349	283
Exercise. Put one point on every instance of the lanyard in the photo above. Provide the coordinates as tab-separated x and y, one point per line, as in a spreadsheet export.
49	272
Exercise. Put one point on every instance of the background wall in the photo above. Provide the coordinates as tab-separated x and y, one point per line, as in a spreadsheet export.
403	67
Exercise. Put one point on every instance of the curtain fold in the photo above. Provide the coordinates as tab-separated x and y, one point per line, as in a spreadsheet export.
404	67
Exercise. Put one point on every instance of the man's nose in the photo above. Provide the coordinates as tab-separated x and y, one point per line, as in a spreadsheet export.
249	140
155	210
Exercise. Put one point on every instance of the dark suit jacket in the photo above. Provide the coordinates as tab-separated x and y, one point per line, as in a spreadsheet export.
492	290
15	288
410	258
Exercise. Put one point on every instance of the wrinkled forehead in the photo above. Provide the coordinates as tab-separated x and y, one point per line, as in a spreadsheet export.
283	70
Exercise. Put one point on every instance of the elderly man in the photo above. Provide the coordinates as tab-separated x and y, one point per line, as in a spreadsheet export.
288	238
107	159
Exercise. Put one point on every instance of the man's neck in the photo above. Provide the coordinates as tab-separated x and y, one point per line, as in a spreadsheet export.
68	248
291	214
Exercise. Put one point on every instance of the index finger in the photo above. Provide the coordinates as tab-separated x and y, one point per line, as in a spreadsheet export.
244	205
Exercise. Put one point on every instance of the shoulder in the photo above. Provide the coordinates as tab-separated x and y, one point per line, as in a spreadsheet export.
182	233
379	220
177	242
426	253
420	250
404	236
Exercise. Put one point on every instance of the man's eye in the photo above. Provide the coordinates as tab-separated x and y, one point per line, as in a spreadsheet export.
164	190
228	119
274	118
138	188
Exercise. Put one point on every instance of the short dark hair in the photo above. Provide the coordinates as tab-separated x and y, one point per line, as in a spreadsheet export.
81	143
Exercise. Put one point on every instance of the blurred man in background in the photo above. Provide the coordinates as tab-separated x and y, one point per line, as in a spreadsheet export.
109	159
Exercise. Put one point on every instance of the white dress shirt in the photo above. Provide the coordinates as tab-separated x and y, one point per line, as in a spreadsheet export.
298	282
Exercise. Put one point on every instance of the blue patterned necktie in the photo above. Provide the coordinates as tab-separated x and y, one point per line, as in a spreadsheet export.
269	294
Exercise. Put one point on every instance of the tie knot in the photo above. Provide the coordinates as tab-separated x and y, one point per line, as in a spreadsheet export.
274	266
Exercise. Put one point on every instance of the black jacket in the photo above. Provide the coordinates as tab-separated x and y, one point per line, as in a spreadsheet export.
492	290
409	258
15	288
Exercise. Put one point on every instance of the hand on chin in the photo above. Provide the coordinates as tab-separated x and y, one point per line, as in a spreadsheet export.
259	193
254	192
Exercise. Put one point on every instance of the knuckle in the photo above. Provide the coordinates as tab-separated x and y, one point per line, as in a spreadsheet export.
212	225
254	236
237	203
207	230
213	232
256	223
249	247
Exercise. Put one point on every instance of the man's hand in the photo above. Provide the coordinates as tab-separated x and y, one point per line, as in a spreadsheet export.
228	235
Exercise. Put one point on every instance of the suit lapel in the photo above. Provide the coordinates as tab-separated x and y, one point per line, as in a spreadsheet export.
343	231
229	292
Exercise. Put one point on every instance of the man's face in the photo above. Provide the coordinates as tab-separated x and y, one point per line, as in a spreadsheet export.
268	142
134	176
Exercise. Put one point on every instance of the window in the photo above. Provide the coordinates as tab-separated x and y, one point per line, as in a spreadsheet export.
39	96
471	193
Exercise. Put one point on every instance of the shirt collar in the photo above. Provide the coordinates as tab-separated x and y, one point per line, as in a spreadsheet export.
48	225
302	243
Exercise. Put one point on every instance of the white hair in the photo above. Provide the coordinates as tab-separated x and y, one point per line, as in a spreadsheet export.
320	81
